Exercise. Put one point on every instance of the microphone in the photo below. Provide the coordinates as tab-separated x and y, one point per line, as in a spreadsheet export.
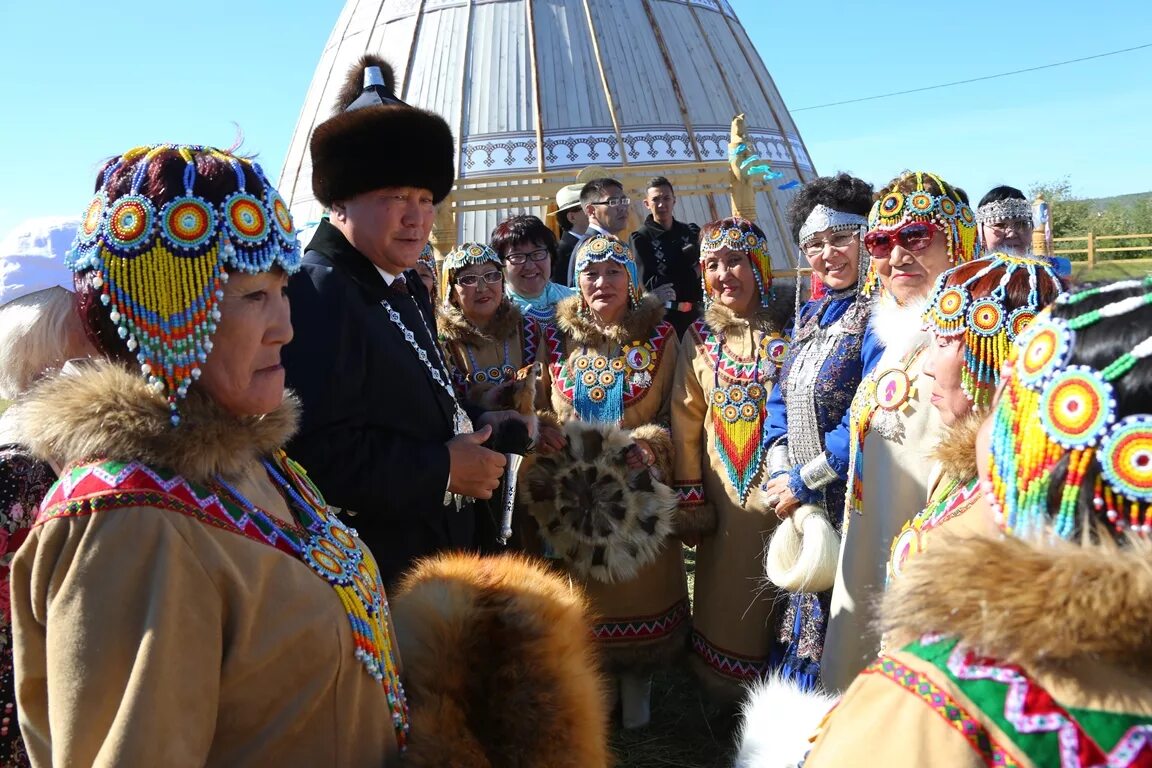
512	438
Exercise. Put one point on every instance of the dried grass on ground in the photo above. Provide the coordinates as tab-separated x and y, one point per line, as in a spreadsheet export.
687	731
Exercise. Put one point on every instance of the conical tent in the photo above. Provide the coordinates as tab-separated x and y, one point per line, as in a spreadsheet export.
535	90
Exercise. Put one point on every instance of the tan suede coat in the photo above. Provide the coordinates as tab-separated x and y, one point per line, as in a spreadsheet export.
146	636
734	612
470	349
646	616
1066	629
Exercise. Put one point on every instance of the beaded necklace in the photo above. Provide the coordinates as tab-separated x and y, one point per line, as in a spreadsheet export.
737	403
330	549
493	374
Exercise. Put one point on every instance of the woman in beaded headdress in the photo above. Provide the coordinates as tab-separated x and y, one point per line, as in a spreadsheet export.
1031	646
485	335
149	600
601	504
806	435
426	268
976	311
728	365
919	226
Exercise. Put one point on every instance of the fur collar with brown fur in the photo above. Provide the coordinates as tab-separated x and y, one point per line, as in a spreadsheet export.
455	328
1041	605
639	323
956	450
771	319
106	411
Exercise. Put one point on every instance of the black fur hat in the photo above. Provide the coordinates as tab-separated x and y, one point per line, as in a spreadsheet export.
375	140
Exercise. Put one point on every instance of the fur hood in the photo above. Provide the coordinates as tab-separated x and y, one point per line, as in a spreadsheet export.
455	328
103	410
1035	604
771	319
956	450
639	323
900	328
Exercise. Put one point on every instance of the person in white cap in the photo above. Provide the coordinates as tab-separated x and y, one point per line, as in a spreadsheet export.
574	224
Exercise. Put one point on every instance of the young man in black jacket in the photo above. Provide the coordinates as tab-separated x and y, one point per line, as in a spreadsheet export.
669	255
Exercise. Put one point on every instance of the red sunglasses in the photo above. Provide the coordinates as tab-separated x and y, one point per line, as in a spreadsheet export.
913	236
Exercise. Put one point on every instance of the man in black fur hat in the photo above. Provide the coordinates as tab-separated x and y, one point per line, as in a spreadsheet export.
381	433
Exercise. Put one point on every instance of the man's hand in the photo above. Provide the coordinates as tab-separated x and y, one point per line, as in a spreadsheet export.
475	471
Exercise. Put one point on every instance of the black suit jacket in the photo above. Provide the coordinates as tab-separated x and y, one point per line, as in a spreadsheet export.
374	423
564	251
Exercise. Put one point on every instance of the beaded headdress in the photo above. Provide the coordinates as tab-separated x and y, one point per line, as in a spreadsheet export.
1053	413
947	211
597	248
824	218
427	258
740	236
161	269
1012	209
464	255
989	324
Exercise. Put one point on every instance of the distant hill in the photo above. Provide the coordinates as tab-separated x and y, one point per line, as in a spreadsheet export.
1100	203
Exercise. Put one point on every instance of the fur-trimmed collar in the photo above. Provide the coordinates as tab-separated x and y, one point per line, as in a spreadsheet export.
956	450
1034	604
638	324
771	319
455	328
106	411
899	327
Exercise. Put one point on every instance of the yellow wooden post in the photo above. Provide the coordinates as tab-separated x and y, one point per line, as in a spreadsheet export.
1091	250
443	237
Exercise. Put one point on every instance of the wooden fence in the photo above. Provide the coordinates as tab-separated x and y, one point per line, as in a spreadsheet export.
1136	249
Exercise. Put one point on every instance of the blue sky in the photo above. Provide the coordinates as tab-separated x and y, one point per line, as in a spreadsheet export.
80	81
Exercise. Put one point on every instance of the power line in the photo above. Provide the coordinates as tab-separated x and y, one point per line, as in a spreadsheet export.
974	79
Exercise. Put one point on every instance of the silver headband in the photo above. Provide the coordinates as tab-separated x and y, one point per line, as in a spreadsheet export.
823	217
1012	209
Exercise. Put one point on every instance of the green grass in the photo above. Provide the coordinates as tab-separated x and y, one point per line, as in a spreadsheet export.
1110	270
687	731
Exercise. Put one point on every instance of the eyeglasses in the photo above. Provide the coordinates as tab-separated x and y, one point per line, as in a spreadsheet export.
615	202
913	236
1002	228
471	281
516	259
838	242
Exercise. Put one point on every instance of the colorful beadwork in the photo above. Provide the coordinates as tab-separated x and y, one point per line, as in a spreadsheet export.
635	367
954	217
743	238
162	272
987	323
1056	414
463	255
599	247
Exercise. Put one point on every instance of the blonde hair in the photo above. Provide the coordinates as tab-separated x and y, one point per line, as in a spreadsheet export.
34	338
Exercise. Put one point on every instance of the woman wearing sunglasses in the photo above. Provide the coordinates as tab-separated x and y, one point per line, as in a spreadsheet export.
528	249
919	226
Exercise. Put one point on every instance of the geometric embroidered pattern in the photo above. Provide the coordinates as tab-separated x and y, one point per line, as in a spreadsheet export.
643	628
1029	709
690	494
634	389
949	710
106	485
727	664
